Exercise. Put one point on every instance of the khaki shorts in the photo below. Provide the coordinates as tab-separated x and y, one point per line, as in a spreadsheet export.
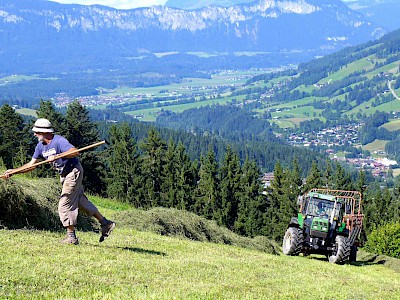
73	198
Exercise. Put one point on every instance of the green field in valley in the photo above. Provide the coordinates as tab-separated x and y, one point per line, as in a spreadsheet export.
18	78
203	90
392	125
150	114
27	112
375	146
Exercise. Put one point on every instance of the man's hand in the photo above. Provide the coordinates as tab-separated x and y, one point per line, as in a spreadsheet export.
51	158
7	174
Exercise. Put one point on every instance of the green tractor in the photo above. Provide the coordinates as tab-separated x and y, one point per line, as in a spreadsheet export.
329	222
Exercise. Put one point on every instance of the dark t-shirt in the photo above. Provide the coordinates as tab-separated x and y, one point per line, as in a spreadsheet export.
57	145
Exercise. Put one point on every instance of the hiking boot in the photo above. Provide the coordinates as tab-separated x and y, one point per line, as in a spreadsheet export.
70	241
106	230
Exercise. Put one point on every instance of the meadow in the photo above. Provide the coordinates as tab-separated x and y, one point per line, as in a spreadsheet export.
138	264
392	125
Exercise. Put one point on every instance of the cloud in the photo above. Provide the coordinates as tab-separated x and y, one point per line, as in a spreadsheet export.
119	4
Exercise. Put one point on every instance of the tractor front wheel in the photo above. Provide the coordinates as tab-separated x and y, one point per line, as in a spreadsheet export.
341	251
292	241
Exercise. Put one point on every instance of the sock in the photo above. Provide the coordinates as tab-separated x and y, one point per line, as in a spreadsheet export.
71	234
104	221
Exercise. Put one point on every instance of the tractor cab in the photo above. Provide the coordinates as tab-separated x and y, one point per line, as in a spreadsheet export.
328	222
322	206
320	213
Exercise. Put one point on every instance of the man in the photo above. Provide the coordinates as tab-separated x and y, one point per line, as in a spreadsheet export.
71	173
321	210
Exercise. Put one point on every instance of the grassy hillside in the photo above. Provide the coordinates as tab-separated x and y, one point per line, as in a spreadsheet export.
168	254
132	264
364	78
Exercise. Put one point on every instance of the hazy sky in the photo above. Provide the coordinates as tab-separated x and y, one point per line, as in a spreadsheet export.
120	4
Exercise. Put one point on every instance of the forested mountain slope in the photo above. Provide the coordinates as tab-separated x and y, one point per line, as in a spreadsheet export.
339	84
357	86
227	121
347	86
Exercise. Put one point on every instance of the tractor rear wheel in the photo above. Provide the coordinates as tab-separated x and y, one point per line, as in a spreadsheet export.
292	241
341	252
353	253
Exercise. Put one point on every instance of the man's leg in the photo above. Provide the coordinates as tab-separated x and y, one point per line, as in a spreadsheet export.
71	236
90	209
68	207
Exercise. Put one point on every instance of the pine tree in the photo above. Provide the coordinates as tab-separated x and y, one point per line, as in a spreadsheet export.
395	205
253	203
314	179
288	200
293	184
122	162
80	132
387	200
377	203
361	183
170	174
154	149
21	156
186	179
282	197
11	134
275	193
296	178
328	174
207	191
342	180
230	174
47	111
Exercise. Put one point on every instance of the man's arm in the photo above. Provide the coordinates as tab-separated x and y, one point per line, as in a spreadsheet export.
73	152
23	169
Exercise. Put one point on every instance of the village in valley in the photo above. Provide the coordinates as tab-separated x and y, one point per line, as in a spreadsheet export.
337	138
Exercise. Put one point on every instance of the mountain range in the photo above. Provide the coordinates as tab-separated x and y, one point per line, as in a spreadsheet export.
383	12
44	36
191	5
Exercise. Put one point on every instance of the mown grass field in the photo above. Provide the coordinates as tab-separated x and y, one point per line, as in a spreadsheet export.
392	125
134	264
140	265
375	146
27	112
150	114
18	78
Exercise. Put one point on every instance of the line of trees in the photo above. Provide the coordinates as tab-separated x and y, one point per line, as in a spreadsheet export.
152	172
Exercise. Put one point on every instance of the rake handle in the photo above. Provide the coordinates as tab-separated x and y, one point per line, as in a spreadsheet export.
61	155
